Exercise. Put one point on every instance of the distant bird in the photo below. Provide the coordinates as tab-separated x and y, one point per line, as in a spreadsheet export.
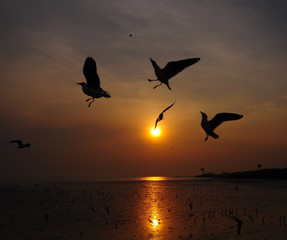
160	117
20	144
131	35
170	70
259	166
209	126
202	169
92	88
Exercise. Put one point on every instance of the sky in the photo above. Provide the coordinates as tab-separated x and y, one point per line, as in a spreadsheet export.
242	69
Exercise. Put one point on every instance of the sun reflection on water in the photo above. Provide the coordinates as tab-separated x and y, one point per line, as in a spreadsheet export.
154	178
155	222
153	203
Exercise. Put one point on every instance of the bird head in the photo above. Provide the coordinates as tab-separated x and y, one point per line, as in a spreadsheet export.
82	83
203	114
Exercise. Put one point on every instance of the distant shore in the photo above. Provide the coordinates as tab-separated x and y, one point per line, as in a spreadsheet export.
274	173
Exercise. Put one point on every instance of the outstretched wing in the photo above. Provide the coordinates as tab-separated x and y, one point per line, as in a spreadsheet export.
223	117
16	141
174	67
168	108
90	73
160	117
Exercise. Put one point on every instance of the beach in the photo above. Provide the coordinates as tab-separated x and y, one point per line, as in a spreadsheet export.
145	209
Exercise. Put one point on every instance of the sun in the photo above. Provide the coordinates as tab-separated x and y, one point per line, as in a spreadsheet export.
155	132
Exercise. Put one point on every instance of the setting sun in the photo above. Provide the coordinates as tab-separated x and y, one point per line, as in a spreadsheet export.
155	132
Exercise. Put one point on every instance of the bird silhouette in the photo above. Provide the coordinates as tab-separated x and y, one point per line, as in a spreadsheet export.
170	70
92	88
202	169
160	117
209	126
20	144
259	166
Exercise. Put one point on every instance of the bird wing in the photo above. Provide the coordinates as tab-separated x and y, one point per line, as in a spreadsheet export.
223	117
174	67
156	123
16	141
161	115
90	72
168	108
156	68
159	118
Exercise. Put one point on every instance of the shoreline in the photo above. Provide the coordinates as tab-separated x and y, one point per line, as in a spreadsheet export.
272	173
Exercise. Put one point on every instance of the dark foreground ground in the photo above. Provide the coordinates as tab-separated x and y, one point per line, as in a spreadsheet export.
201	209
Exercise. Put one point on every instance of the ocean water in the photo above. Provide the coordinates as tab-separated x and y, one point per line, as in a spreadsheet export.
145	208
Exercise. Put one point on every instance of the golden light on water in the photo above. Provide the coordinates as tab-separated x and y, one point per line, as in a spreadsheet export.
153	178
155	132
152	208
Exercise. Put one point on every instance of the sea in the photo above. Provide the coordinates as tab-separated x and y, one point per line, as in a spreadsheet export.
145	208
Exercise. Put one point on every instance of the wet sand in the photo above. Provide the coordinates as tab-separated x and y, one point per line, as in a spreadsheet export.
185	209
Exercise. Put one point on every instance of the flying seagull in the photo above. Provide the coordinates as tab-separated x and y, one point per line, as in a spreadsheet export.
209	126
92	88
20	144
170	70
160	117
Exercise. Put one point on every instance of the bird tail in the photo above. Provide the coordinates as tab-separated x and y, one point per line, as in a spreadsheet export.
106	94
167	84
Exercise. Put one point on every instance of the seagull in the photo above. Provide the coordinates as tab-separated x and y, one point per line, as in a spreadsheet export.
20	144
170	70
92	88
209	126
160	117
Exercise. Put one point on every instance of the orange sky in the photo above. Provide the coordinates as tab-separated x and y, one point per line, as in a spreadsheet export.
242	69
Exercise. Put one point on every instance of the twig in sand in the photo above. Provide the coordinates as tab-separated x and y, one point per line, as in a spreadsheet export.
250	218
263	220
46	217
239	223
92	209
108	210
